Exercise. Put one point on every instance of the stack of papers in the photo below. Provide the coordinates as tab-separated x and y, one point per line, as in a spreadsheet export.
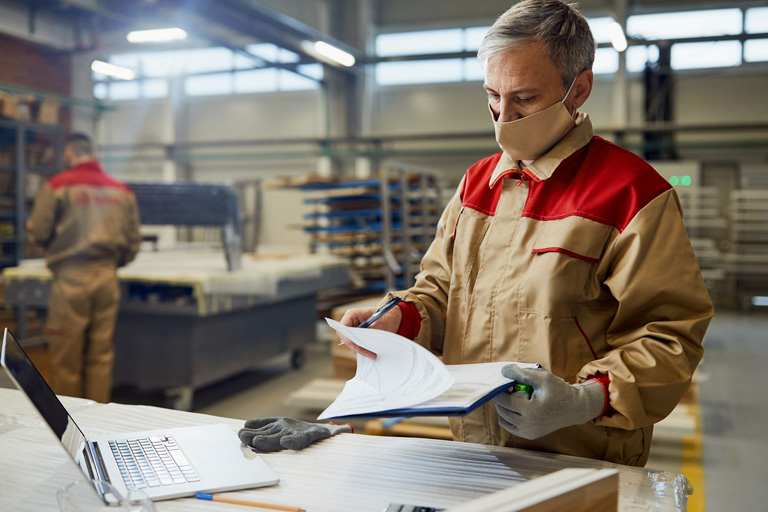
405	379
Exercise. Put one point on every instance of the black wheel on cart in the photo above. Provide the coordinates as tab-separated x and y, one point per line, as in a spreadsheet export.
297	359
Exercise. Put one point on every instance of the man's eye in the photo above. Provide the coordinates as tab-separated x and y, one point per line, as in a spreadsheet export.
493	96
526	101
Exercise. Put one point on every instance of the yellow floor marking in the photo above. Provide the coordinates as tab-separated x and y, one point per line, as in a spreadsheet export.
692	466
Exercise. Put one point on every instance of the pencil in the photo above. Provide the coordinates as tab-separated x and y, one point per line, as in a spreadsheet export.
211	497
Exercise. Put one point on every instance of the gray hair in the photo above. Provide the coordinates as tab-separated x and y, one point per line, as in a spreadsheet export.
562	29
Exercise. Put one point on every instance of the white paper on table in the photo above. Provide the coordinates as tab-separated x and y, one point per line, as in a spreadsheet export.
403	374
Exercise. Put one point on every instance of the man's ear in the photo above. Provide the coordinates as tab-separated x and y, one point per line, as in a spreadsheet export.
582	88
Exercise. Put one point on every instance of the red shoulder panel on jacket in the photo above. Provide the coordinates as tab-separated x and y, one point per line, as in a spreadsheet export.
88	173
601	182
476	193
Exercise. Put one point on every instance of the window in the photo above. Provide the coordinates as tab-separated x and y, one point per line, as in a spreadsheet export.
638	56
706	55
100	91
600	29
606	61
416	43
419	72
238	73
154	88
756	50
473	70
677	25
756	21
289	81
208	85
425	42
271	53
473	37
124	90
255	80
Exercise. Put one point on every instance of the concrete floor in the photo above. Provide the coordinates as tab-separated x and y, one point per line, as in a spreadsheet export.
725	458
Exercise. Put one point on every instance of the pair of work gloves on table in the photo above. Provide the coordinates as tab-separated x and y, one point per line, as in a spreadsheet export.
553	404
275	434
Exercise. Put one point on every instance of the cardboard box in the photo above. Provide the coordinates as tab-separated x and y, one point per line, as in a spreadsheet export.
8	105
48	111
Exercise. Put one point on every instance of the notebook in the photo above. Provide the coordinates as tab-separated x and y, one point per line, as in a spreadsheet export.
164	464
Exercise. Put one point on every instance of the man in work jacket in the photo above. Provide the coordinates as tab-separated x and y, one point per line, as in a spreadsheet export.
88	224
565	250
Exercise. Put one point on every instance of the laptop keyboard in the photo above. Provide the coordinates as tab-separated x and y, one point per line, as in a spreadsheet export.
151	462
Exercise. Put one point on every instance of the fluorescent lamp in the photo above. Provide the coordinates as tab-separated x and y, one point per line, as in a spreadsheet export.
160	35
618	39
759	301
105	68
335	54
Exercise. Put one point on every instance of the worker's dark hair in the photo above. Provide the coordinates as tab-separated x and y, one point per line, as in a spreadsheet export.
80	144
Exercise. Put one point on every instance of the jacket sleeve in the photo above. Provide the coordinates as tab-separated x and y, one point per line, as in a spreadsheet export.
41	223
664	309
430	292
132	233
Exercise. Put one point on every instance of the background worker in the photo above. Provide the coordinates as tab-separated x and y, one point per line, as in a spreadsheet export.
88	224
563	250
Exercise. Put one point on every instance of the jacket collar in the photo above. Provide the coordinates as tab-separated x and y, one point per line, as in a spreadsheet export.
90	165
543	167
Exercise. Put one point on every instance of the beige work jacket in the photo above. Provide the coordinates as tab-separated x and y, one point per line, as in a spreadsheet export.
83	215
580	263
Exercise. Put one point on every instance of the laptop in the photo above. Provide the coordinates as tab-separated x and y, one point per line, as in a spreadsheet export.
164	464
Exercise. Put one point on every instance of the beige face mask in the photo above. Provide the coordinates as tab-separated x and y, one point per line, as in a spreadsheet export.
531	136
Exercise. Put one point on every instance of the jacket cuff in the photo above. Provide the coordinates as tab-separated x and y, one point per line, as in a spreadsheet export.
411	321
604	381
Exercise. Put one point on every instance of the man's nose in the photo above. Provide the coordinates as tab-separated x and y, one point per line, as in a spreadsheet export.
507	112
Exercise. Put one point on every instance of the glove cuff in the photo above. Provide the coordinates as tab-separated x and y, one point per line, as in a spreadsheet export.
337	429
592	394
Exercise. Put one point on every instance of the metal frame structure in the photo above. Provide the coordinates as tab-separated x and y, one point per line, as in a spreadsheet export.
19	170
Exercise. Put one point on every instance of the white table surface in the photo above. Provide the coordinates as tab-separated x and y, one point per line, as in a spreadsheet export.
349	472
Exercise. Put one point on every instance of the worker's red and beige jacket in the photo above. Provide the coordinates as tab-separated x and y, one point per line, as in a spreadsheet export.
83	215
580	263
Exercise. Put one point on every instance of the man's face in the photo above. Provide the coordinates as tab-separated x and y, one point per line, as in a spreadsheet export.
522	81
68	157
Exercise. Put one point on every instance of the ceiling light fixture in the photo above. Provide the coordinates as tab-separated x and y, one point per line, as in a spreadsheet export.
105	68
618	39
334	54
159	35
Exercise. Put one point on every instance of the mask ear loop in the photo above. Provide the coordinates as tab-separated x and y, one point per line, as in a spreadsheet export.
566	95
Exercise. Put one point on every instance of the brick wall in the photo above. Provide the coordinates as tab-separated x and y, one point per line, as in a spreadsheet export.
34	66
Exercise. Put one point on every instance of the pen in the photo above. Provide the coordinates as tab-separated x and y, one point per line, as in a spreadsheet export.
391	303
211	497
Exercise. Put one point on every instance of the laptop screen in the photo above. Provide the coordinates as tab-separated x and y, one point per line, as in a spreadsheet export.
28	379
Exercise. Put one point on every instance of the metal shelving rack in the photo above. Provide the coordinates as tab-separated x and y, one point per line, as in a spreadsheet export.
383	225
17	138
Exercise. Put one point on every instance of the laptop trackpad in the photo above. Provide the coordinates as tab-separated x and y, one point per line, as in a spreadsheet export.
216	452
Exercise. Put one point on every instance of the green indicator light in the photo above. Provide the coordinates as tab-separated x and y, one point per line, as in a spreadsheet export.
674	181
685	180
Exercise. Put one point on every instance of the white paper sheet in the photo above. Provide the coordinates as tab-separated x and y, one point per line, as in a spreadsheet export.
403	373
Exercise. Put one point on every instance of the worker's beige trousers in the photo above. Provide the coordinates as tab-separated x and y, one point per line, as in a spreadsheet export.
82	312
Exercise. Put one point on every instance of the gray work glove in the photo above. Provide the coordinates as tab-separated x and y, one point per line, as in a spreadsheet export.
554	403
275	434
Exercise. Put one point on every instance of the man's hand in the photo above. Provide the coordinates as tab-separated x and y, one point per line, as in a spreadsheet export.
354	317
275	434
554	403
